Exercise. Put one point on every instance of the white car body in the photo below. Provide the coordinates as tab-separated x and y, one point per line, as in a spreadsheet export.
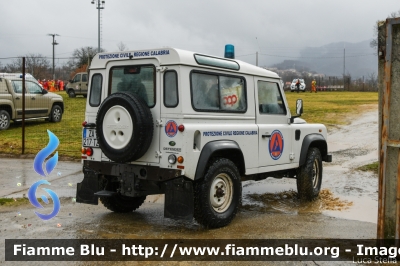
247	126
302	85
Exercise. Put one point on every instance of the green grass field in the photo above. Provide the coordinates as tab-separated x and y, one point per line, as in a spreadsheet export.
329	108
68	131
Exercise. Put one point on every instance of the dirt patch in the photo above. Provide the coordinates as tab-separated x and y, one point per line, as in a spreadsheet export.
288	202
332	203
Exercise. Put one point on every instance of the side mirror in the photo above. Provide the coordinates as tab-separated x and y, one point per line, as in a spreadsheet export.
299	110
44	91
299	107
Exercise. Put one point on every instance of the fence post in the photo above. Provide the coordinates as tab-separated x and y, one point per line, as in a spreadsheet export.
389	129
23	105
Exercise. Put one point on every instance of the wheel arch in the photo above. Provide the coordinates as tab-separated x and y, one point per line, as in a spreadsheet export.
220	148
61	104
313	140
8	109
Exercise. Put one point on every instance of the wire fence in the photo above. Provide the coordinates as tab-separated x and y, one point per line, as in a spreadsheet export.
27	112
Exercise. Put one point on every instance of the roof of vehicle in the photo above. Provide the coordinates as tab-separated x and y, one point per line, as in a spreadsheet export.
17	76
172	56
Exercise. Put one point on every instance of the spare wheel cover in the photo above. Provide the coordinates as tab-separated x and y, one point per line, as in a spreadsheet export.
124	126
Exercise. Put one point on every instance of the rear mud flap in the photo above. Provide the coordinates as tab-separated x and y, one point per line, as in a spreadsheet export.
86	189
179	203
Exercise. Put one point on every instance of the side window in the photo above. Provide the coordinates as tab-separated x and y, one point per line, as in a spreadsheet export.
77	78
215	92
84	78
270	99
139	80
170	89
33	88
17	85
95	90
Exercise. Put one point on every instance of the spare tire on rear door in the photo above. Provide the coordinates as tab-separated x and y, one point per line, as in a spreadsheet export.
124	127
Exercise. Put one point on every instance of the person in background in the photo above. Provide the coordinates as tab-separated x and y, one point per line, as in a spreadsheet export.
45	84
298	85
313	86
51	85
58	85
61	86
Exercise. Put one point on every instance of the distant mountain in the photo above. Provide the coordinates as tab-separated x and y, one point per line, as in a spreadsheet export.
359	59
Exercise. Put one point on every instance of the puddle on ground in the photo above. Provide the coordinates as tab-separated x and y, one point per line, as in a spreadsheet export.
288	202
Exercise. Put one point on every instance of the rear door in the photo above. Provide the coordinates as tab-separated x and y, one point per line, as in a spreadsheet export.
124	77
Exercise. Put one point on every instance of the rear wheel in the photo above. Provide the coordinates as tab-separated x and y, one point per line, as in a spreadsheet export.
309	175
218	195
4	120
121	203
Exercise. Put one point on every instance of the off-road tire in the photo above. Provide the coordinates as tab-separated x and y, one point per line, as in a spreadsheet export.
56	114
208	211
121	203
4	120
309	176
71	93
132	133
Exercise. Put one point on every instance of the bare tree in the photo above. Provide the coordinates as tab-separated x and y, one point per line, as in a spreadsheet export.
377	39
35	64
372	81
82	56
122	47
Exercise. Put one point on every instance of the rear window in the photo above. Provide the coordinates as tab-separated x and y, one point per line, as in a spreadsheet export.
139	80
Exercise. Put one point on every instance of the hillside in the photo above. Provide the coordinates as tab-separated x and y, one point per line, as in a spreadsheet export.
359	59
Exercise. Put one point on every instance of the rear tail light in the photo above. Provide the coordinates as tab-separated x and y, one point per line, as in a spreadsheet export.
87	151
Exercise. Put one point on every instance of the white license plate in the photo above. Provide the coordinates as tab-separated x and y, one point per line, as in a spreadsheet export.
89	138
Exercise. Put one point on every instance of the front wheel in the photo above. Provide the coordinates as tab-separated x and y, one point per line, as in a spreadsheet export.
309	175
4	119
218	194
56	114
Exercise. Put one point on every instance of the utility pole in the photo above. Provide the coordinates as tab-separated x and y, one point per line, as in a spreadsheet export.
54	43
256	58
100	5
344	67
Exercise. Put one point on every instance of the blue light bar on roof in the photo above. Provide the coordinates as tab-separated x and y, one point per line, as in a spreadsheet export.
230	51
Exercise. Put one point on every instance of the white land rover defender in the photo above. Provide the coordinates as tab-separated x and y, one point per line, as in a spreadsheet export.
191	126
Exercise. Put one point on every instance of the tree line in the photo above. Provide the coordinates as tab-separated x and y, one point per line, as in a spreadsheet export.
41	67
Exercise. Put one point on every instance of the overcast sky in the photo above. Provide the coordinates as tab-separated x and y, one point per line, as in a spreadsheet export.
273	28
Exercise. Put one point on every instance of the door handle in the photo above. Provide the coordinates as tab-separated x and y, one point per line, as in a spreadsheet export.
16	98
266	135
33	98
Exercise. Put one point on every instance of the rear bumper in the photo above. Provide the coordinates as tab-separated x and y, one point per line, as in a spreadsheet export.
132	180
